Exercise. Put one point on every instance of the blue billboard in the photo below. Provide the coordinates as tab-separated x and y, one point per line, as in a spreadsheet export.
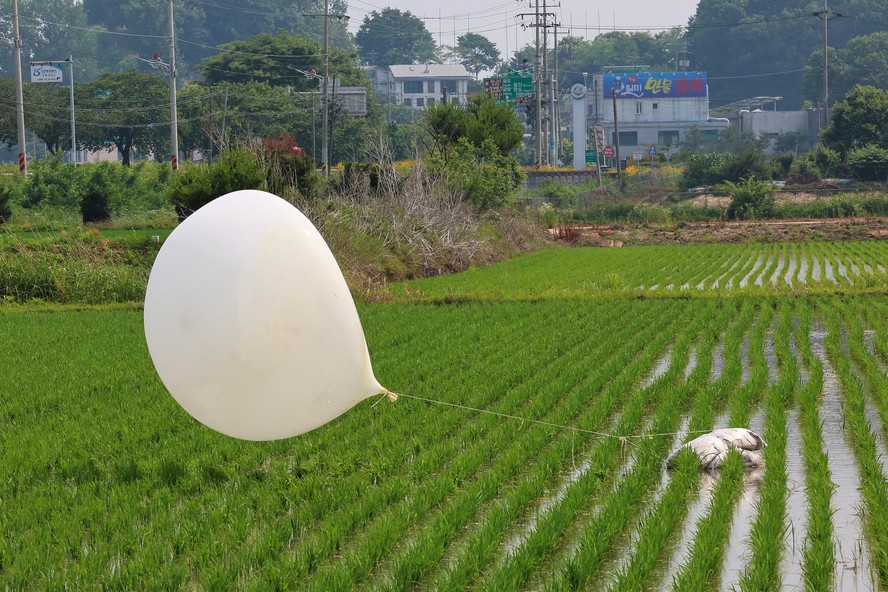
655	85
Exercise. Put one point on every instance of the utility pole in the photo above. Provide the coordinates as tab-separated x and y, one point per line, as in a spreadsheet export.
825	15
19	94
325	122
174	119
538	87
325	160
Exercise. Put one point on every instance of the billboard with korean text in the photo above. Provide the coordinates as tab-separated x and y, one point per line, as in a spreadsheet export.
655	85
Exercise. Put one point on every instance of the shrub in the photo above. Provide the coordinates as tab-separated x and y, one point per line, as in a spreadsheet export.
782	165
287	165
751	199
869	163
52	183
826	160
747	165
196	185
482	175
558	194
803	172
94	205
5	202
705	168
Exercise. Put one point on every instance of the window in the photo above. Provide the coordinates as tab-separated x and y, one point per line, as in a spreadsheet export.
627	138
430	101
639	108
413	86
408	102
667	138
710	135
430	87
420	102
655	105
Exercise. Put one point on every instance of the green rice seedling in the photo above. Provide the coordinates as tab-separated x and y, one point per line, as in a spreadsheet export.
874	486
712	530
818	562
767	534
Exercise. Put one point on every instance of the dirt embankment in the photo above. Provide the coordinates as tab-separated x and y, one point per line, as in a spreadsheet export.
831	229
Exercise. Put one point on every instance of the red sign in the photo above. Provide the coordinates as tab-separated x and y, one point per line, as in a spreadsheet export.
608	151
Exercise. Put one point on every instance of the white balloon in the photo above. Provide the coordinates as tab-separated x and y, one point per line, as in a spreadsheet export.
250	323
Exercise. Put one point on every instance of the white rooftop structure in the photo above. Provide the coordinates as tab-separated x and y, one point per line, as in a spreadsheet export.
420	85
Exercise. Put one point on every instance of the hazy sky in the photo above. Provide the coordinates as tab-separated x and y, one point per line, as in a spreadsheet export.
499	20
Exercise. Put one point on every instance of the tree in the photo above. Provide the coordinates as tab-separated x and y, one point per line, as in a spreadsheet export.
126	109
279	60
394	37
476	52
204	26
863	61
860	120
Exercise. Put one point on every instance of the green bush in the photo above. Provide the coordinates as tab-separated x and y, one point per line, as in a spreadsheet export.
5	201
782	165
485	177
197	185
557	194
826	160
751	199
705	168
747	165
94	205
53	183
804	172
869	163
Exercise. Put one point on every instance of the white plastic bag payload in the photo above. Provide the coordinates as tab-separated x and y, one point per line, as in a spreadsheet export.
250	323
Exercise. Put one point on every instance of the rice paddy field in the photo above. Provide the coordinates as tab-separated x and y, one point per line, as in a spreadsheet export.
541	397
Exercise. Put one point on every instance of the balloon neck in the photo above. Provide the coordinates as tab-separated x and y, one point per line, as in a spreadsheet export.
391	396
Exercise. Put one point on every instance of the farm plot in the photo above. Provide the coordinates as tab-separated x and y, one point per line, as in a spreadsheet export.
536	460
754	268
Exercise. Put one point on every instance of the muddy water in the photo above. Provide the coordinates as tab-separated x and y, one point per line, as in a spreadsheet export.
754	269
771	358
692	363
796	506
852	553
781	261
718	361
744	361
803	268
719	279
738	551
697	509
659	370
761	276
791	269
828	269
815	268
841	270
869	337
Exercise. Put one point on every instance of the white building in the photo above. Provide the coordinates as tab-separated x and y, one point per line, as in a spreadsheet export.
654	110
420	85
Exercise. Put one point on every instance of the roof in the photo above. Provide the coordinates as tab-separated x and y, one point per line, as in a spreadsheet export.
429	71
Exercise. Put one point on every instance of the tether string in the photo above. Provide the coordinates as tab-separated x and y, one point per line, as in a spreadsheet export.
544	423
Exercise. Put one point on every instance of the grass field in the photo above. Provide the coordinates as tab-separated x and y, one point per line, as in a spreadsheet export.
107	483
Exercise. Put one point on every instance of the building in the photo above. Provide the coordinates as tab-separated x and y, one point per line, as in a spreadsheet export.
755	116
420	85
654	110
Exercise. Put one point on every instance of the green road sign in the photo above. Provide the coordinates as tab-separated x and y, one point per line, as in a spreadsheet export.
516	86
591	156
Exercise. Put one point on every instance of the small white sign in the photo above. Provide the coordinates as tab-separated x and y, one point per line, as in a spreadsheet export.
46	74
637	155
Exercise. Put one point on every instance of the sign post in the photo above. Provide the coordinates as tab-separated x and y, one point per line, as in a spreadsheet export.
49	71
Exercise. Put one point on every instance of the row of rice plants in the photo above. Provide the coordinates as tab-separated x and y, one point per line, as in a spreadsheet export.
432	478
867	362
617	510
420	555
700	567
657	528
39	422
767	536
818	555
568	371
750	268
520	564
599	463
874	486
